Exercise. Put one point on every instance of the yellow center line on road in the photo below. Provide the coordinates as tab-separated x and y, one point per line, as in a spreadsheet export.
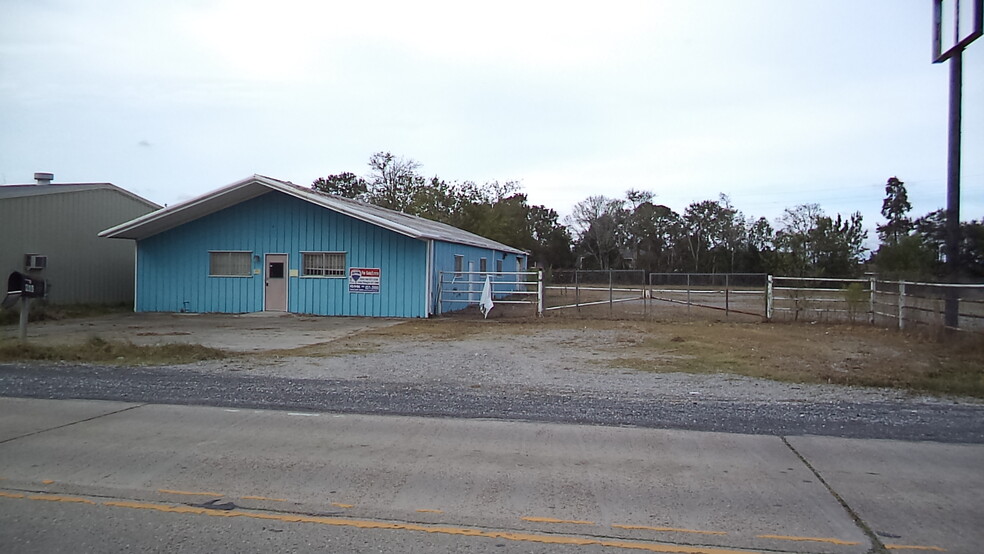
437	529
553	520
190	493
429	511
667	529
447	530
60	498
48	482
340	505
809	539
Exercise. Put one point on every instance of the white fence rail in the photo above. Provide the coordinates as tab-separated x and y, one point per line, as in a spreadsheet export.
576	289
632	293
902	304
458	290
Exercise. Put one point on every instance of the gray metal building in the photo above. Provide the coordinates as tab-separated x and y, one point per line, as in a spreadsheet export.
61	222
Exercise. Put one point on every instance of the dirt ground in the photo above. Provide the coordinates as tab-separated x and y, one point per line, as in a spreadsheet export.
257	332
836	354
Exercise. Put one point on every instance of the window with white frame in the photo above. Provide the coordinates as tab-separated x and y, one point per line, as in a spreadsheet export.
323	264
459	264
230	264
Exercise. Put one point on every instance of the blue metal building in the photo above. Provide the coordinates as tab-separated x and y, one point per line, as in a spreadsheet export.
261	244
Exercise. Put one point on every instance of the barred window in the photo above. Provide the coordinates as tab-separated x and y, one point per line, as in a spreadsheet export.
459	264
323	264
229	264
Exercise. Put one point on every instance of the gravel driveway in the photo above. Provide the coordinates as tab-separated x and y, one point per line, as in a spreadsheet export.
554	373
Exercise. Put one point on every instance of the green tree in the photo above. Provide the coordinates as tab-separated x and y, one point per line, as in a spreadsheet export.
931	232
758	254
393	181
601	235
346	184
895	209
838	246
712	229
810	243
655	232
910	258
551	246
494	210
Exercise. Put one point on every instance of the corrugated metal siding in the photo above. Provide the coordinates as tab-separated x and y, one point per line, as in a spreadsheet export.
82	268
173	266
444	253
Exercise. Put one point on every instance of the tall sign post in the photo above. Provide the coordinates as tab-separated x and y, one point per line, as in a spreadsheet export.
956	23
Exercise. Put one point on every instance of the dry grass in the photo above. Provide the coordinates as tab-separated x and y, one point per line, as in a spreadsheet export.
42	311
98	350
804	353
792	352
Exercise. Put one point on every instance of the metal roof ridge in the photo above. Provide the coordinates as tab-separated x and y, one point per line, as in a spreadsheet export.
75	187
409	225
167	211
337	203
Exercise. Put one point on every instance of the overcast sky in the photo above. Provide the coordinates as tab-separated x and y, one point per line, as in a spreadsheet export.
773	102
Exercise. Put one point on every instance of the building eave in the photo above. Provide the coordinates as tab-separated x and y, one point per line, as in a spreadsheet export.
257	185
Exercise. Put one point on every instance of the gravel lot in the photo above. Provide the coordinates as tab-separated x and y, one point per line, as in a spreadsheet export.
559	361
552	373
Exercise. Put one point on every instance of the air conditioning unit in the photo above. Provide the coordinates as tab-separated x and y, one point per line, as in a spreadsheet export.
35	261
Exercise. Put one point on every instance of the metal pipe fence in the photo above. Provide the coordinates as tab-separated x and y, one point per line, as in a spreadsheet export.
459	289
577	289
902	304
635	294
741	293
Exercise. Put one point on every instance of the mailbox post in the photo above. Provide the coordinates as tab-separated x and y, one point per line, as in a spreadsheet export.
25	312
24	288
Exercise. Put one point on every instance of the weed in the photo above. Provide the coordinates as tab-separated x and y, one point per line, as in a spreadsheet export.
857	299
99	350
41	310
835	354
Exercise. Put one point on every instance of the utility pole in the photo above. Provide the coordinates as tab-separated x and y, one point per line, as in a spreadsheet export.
954	27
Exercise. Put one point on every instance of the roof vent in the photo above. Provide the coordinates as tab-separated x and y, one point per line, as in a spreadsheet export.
44	178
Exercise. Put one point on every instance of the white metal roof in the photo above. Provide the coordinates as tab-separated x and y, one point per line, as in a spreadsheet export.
257	185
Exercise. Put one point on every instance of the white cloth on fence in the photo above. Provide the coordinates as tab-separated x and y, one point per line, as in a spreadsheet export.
486	304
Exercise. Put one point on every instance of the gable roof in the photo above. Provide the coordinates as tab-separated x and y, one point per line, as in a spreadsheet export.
257	185
23	191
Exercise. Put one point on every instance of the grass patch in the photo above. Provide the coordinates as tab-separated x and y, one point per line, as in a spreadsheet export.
98	350
331	349
835	354
437	329
42	311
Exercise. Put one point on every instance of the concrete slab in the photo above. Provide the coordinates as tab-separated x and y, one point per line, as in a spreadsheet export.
21	416
640	484
924	494
236	333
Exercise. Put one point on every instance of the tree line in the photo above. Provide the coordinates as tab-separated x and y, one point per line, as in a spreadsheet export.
634	232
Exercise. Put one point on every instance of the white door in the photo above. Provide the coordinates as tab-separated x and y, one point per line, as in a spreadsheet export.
275	278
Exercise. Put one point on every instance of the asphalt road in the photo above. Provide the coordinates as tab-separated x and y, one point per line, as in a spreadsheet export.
96	476
914	421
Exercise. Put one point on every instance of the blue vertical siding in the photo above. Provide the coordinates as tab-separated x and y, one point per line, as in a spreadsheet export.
444	253
172	267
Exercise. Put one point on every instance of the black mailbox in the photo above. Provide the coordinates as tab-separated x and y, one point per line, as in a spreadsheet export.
25	285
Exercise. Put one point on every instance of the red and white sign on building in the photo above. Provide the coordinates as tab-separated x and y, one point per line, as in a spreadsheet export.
364	279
